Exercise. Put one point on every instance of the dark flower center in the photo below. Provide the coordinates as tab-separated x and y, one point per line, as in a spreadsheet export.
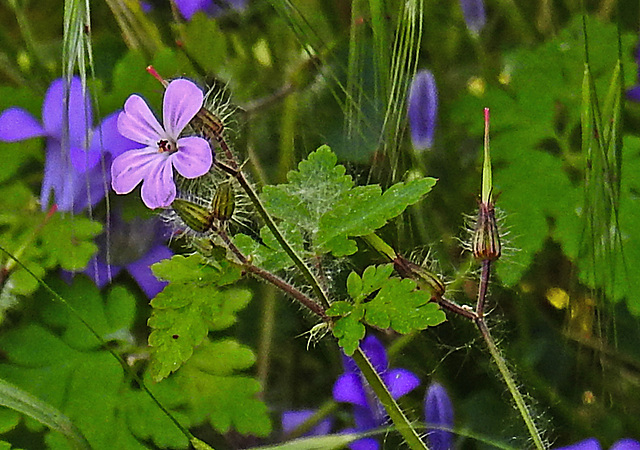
166	146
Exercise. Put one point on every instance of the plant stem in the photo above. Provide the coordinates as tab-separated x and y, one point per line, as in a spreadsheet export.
511	384
300	264
398	418
290	290
484	284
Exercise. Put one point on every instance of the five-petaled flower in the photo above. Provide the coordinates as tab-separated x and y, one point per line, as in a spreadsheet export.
352	387
423	109
164	150
72	170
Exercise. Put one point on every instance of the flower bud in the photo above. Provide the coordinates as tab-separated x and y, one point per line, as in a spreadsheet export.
426	280
474	15
195	216
486	238
223	203
423	109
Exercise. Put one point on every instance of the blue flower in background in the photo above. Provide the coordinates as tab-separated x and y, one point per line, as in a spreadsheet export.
212	8
593	444
474	15
293	419
133	246
438	410
423	109
73	173
351	387
633	94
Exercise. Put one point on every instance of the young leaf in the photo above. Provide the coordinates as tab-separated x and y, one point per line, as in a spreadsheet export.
188	307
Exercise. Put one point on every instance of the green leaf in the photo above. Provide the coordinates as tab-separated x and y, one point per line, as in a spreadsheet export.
400	306
364	210
349	331
311	191
68	241
187	308
206	43
216	392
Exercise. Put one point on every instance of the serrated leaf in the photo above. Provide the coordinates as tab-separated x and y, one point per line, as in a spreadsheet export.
187	308
402	307
364	210
217	393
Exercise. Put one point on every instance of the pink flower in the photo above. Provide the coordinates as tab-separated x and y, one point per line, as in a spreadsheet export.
153	164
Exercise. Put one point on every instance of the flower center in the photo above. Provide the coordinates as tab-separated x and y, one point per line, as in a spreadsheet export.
166	146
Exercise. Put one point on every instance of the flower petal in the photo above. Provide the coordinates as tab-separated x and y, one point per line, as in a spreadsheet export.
423	109
138	123
293	419
365	444
158	188
101	273
373	348
132	167
348	388
107	138
189	7
626	444
474	15
193	158
633	94
140	270
438	411
16	124
80	114
182	100
400	382
83	160
367	418
587	444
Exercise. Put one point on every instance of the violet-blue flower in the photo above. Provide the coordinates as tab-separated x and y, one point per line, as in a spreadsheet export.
133	246
293	419
212	8
351	387
164	149
593	444
438	411
72	172
474	15
423	109
633	94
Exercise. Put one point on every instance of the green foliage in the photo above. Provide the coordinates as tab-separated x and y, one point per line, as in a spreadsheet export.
321	200
63	364
397	304
188	307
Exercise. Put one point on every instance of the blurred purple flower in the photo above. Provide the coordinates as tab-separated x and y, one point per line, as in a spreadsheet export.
633	94
593	444
423	109
351	387
293	419
474	15
146	6
212	8
438	411
133	246
73	174
191	156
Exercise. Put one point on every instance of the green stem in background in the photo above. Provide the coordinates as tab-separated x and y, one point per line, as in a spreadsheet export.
521	405
27	35
267	328
401	422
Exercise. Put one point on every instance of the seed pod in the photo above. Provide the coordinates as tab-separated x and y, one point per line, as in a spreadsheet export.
486	238
424	278
195	216
223	203
207	124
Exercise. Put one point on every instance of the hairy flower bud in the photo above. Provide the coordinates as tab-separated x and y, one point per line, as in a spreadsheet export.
223	203
486	237
195	216
426	280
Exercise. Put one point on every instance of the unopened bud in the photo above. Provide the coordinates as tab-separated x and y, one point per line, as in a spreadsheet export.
424	278
223	203
195	216
486	238
207	124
